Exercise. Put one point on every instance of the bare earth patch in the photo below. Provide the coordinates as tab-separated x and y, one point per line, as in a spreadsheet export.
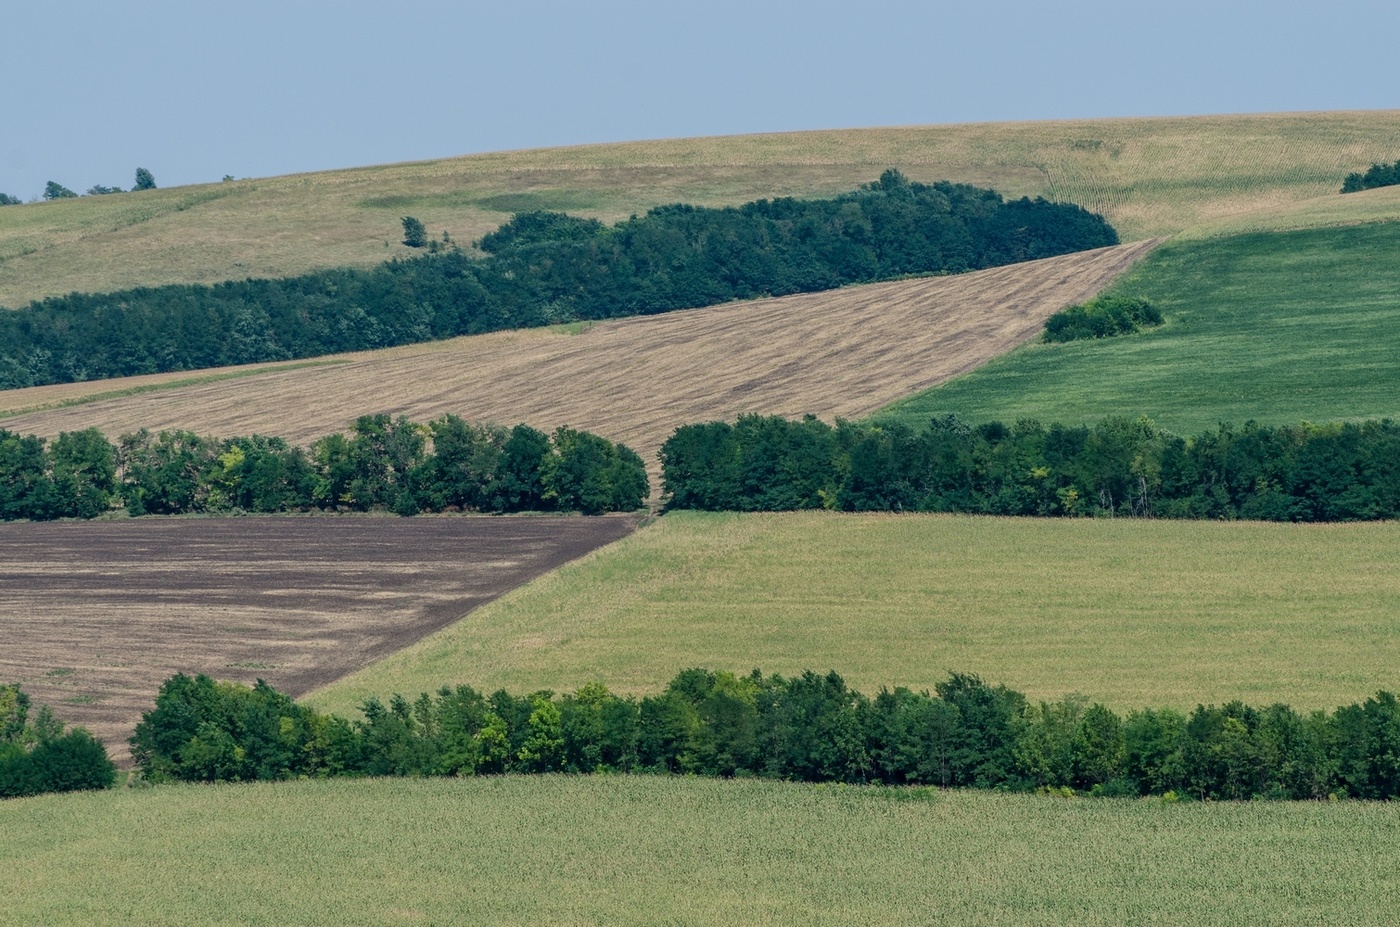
841	353
94	616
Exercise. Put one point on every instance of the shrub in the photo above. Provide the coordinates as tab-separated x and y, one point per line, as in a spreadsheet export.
1103	317
38	756
1378	175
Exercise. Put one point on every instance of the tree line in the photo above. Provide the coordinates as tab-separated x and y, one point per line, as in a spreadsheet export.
387	463
542	268
1377	175
809	727
39	755
1119	466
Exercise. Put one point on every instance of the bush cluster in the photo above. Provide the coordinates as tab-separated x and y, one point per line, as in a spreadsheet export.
810	728
540	269
382	463
1120	466
1103	317
38	755
1377	175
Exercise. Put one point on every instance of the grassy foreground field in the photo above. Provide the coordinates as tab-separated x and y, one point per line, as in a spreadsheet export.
845	352
1132	613
638	850
1149	177
1276	326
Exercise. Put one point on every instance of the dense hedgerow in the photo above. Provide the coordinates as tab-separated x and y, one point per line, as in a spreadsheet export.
382	463
1101	318
1377	175
540	269
1120	466
37	755
810	727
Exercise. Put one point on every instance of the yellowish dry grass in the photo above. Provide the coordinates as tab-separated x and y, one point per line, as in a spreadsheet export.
1148	176
842	353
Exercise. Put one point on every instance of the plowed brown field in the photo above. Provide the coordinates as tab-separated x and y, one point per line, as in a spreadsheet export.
93	616
841	353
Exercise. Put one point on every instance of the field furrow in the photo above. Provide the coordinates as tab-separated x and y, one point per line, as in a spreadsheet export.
95	615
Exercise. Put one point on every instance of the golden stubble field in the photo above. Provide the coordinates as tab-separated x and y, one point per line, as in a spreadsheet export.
841	353
95	615
1149	177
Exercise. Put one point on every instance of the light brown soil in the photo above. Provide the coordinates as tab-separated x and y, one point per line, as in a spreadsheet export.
842	353
95	615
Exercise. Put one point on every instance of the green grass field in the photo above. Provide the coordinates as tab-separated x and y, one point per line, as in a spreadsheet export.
1149	177
646	851
1132	613
1276	326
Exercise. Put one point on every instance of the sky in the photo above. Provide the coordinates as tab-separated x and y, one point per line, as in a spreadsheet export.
89	90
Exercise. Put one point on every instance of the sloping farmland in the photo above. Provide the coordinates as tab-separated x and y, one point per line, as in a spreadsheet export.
95	615
841	353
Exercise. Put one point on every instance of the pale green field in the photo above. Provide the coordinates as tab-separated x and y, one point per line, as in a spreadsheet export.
1132	613
647	851
1149	177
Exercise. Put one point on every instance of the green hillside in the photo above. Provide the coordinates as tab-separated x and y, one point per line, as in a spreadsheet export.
1149	177
1275	326
513	851
1132	613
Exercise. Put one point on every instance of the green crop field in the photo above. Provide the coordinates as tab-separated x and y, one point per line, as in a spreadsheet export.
1132	613
1275	326
639	850
1149	177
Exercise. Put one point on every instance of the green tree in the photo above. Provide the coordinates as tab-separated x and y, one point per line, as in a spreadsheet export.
144	180
7	200
544	746
57	191
414	234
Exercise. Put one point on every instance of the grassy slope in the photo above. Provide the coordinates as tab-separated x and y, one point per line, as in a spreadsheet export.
1133	613
631	851
1277	326
1148	176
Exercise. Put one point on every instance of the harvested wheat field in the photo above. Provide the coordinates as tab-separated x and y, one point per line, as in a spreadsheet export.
842	353
1149	177
96	615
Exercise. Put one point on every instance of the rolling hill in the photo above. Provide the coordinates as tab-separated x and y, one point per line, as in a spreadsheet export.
844	353
1285	316
1149	177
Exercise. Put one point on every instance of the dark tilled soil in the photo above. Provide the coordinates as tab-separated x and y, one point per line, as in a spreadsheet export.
95	615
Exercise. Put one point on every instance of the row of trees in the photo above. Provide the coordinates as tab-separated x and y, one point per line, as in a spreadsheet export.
38	755
381	463
1377	175
53	190
539	269
810	727
1120	466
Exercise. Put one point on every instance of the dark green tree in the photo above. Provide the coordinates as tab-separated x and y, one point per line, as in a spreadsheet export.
144	180
414	234
57	191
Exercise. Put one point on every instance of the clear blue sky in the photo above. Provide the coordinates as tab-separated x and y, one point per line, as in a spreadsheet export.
91	90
